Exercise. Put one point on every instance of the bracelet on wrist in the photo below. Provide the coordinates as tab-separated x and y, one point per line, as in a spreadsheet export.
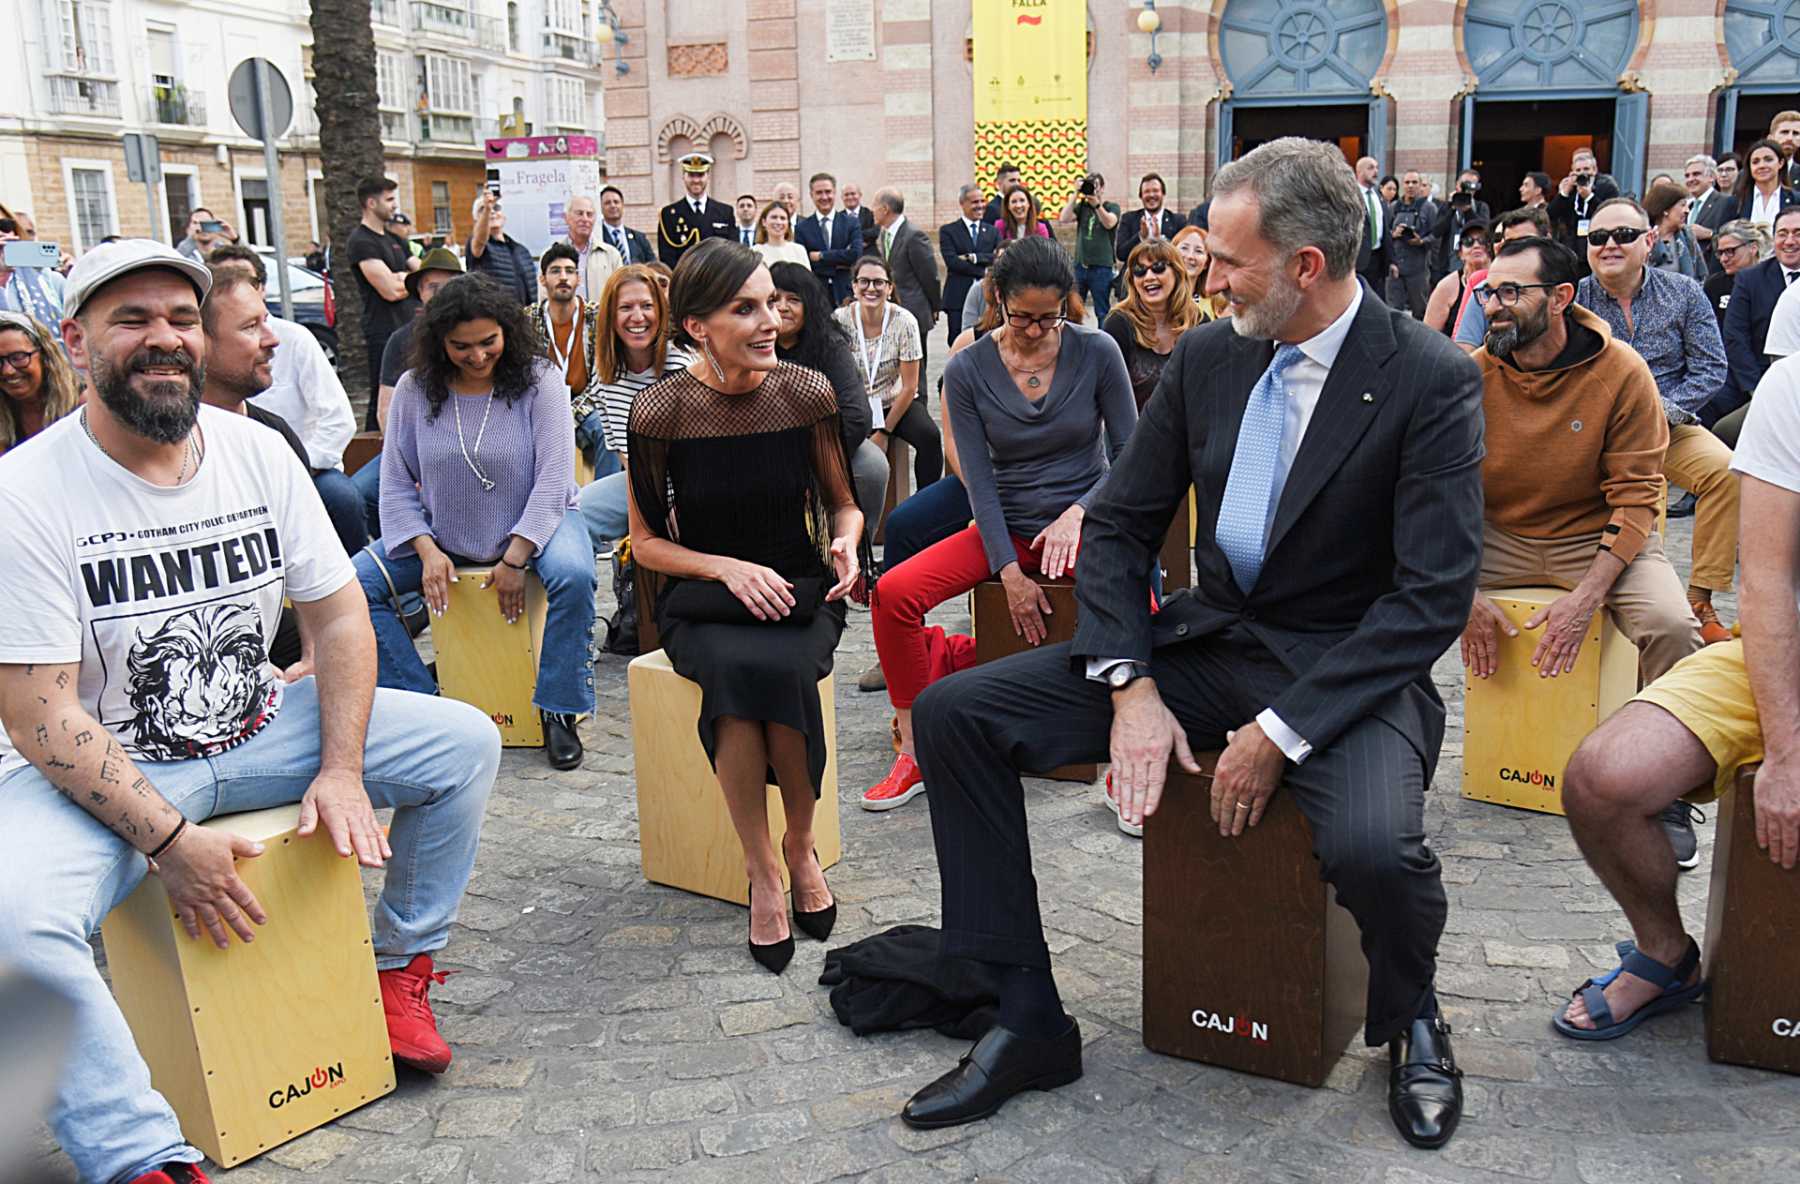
170	841
511	564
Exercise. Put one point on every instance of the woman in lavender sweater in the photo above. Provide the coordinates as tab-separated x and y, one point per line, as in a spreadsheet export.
478	469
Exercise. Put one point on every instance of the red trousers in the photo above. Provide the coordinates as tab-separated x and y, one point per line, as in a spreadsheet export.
904	595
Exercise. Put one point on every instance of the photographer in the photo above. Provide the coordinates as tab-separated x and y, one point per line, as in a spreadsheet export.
1577	197
1414	220
1095	220
1463	210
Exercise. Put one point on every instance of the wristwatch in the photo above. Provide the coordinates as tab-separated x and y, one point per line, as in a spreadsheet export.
1124	674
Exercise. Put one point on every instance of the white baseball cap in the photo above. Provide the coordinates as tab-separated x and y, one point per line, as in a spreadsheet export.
108	261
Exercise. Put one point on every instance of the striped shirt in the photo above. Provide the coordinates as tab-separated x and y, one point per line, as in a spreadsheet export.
615	398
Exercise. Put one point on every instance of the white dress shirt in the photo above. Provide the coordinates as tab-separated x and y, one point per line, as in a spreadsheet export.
1763	209
1369	191
307	394
1305	382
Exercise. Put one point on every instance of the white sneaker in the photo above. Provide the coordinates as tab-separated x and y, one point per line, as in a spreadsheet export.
1135	830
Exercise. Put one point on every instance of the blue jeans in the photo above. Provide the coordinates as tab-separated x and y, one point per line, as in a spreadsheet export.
565	681
590	438
434	760
1094	285
368	483
929	516
604	508
344	504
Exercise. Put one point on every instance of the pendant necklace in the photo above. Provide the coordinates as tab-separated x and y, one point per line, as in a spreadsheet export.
487	484
1031	376
189	458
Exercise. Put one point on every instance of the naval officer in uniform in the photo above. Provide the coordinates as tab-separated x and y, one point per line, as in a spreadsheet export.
694	217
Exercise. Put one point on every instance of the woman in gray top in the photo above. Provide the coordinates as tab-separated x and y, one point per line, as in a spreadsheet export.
1028	405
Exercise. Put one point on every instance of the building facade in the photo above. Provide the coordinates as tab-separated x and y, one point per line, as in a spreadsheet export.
79	74
1508	86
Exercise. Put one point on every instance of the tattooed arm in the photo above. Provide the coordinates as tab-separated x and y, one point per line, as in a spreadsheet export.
50	728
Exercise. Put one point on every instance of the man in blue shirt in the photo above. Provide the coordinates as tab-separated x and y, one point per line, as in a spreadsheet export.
1667	318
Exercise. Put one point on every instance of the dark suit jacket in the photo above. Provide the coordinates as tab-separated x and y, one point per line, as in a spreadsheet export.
1201	215
1741	206
1125	234
915	274
865	218
678	228
1372	558
641	251
1712	214
1753	299
838	240
953	243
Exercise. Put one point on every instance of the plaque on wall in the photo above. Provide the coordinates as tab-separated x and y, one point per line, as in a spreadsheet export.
849	30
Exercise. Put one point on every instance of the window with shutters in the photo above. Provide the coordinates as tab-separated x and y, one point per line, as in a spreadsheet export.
91	202
448	86
391	89
86	36
563	16
568	102
440	207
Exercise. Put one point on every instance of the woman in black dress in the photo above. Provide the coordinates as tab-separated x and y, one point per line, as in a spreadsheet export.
743	520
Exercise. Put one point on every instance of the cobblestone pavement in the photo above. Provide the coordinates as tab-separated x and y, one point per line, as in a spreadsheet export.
611	1031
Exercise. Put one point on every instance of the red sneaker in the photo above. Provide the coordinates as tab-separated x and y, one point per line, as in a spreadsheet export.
903	783
412	1029
174	1173
1112	803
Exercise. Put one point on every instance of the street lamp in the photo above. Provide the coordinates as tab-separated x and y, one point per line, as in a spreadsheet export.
612	32
1150	21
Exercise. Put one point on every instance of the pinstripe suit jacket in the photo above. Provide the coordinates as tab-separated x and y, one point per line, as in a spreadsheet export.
1372	558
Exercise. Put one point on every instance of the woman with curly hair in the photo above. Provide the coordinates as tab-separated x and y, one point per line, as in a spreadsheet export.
37	384
1020	216
478	470
1158	308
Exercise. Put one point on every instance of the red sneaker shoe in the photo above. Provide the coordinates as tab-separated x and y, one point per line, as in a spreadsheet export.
1112	803
412	1029
903	783
174	1173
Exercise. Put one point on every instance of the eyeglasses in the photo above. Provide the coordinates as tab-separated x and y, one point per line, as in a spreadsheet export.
1023	321
18	359
862	283
1732	250
1508	294
1623	235
1140	270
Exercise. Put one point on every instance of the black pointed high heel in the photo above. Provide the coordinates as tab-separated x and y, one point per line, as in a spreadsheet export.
775	956
818	925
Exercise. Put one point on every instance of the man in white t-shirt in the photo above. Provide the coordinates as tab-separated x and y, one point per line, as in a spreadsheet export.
1717	710
1784	325
150	541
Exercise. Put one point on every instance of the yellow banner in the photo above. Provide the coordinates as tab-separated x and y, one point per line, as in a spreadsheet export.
1031	93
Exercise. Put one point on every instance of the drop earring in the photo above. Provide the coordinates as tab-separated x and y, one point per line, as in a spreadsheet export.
713	362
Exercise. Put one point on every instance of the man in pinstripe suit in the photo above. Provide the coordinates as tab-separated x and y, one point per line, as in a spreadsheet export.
1336	448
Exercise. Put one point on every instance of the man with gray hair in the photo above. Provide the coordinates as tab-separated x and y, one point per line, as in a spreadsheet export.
1708	207
910	263
968	245
1315	415
599	259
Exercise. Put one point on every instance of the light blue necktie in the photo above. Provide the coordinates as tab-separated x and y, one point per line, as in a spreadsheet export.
1245	509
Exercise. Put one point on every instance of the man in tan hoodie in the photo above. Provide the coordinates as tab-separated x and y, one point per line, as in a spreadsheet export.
1573	475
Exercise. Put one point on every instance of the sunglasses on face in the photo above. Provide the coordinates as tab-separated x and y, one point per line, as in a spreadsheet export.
1623	235
1140	270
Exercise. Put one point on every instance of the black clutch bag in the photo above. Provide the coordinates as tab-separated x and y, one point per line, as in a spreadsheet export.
710	602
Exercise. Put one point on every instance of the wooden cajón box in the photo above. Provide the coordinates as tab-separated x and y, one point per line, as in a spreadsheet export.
991	623
484	661
1519	730
1752	943
260	1043
685	836
1249	962
1177	555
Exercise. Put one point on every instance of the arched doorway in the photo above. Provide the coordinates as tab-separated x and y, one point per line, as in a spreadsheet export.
1302	68
1547	83
1762	39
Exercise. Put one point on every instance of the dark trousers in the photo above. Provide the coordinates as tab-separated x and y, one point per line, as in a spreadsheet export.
917	428
1363	794
929	516
376	346
1410	291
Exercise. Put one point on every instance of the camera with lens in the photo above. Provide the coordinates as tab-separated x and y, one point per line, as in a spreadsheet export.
1090	185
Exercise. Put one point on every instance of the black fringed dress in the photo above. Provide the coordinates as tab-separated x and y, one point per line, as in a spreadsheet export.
750	477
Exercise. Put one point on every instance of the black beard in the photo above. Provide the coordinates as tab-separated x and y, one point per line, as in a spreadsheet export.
1502	341
167	413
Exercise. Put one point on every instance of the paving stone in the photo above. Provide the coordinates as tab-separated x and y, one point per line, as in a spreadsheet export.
474	1118
747	1019
1499	953
312	1151
752	1132
648	1150
684	1103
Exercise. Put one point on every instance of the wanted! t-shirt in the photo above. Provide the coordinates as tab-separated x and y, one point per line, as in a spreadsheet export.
167	598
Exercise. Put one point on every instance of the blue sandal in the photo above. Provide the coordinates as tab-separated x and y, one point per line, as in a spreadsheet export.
1672	980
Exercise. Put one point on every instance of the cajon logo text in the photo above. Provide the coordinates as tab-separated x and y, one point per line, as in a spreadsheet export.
502	719
1786	1028
322	1077
1533	777
1231	1025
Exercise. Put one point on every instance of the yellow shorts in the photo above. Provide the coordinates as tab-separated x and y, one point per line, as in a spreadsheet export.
1709	692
